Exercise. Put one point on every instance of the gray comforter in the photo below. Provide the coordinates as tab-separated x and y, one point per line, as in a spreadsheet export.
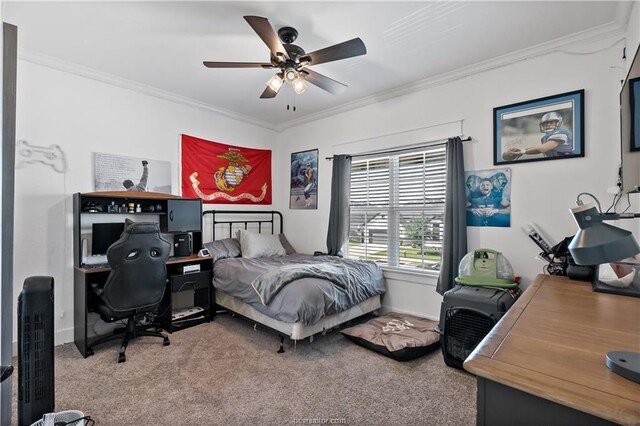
298	287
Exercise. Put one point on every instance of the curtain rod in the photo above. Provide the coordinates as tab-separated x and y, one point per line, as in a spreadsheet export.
393	151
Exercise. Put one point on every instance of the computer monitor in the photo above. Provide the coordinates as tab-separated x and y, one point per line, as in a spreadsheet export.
103	235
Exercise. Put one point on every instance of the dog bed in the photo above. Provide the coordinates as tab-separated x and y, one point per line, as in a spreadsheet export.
402	337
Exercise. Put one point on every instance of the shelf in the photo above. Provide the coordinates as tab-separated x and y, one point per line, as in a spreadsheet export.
134	195
136	213
182	324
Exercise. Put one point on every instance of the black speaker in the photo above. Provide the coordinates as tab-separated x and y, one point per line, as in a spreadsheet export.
36	395
182	245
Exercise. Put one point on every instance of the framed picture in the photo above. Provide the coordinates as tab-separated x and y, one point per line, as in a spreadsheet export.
550	128
120	173
488	197
634	94
304	180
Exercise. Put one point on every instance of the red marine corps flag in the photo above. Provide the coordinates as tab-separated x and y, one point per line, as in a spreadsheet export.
225	174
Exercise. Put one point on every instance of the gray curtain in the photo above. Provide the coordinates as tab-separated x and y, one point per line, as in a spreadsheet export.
454	246
338	232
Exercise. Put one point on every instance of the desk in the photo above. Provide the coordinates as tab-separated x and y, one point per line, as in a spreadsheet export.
84	277
544	362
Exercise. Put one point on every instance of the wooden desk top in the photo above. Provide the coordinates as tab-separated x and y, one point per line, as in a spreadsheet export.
170	261
553	341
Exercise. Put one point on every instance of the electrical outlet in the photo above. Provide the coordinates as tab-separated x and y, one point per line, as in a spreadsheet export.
619	180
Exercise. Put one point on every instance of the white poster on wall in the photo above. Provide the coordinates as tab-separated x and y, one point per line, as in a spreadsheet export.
120	173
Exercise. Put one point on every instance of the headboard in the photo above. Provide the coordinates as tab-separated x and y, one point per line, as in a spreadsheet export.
225	222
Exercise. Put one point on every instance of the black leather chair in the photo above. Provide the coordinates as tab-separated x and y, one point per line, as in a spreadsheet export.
136	285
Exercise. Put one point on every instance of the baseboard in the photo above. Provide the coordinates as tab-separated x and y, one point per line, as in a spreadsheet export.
61	337
386	309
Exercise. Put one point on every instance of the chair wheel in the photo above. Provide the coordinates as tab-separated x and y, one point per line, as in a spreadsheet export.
122	358
166	342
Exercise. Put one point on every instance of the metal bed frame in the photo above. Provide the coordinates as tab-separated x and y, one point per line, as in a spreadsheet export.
269	221
246	223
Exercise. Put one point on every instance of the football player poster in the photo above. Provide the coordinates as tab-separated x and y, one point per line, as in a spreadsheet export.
488	197
550	128
635	113
304	180
225	174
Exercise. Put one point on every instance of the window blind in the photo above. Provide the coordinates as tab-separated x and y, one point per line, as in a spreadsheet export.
397	208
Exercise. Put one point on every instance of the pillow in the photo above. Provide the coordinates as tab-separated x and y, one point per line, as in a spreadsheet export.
402	337
287	245
253	245
222	249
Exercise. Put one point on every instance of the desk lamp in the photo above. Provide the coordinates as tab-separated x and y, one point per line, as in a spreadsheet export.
596	243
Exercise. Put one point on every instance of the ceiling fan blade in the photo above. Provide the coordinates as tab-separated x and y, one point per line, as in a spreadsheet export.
265	31
268	93
323	82
344	50
210	64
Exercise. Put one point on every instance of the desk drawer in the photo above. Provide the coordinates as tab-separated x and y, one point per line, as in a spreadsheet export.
191	281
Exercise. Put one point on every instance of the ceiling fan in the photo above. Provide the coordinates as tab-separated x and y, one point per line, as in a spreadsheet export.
292	61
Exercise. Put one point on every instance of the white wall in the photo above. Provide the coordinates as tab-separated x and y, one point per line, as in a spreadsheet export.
632	37
632	34
83	116
542	192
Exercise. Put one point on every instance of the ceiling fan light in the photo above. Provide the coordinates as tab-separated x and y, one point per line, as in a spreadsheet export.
275	82
290	74
299	86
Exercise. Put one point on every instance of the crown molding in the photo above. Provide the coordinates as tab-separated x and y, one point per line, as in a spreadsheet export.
123	83
602	32
623	14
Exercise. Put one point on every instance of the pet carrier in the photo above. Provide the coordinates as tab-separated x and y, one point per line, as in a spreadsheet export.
467	315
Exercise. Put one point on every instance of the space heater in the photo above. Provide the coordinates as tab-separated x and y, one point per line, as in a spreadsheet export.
35	350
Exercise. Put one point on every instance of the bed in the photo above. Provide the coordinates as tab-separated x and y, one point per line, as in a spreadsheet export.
297	295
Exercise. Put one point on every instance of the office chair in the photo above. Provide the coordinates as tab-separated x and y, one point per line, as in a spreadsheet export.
135	287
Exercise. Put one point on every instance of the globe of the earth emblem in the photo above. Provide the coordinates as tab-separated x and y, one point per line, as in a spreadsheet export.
233	176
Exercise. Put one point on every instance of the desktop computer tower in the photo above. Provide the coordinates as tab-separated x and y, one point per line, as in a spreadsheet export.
35	350
182	245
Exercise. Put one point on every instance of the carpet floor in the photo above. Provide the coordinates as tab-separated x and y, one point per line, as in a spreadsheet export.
227	373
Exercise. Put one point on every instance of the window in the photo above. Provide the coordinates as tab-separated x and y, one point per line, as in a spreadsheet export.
397	209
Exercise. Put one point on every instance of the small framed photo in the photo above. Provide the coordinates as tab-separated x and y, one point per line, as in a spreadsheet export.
550	128
634	93
304	180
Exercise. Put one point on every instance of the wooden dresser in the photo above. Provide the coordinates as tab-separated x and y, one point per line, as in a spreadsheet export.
544	362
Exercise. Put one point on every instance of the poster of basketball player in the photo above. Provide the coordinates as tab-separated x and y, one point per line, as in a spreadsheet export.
304	180
550	128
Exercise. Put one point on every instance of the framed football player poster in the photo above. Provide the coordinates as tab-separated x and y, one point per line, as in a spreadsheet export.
550	128
634	93
304	180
